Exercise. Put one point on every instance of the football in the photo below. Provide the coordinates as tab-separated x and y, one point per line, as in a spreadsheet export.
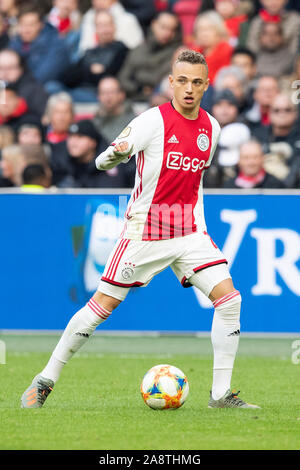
164	387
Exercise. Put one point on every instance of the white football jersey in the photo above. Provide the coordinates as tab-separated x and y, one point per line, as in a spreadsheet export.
172	153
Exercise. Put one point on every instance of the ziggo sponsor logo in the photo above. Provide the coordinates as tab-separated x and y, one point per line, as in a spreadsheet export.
176	161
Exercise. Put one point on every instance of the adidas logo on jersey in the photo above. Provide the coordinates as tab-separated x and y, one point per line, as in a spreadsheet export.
173	140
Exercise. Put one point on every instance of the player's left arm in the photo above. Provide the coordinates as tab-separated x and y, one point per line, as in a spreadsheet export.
216	131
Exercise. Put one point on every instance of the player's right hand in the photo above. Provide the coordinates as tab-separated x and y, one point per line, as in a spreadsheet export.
122	149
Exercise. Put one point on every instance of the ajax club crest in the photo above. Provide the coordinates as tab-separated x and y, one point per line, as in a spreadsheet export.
128	271
203	141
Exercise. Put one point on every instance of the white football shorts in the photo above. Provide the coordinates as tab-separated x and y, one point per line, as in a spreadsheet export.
134	263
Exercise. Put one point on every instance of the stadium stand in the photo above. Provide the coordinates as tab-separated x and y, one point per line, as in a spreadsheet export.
72	61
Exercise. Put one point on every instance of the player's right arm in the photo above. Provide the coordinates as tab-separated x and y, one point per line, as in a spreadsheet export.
133	139
114	155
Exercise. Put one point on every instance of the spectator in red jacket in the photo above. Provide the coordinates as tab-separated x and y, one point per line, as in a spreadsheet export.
211	39
65	16
228	9
15	108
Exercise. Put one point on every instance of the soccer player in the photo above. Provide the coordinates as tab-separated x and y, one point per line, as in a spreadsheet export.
164	226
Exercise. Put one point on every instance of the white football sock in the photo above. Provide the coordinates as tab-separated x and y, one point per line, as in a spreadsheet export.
77	332
225	335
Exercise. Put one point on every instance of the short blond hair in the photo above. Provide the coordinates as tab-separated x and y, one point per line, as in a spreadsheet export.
191	57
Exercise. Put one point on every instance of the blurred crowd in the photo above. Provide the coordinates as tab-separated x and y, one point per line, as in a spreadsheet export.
73	74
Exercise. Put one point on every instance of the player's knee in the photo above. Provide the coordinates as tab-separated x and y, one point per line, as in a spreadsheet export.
106	301
229	303
223	288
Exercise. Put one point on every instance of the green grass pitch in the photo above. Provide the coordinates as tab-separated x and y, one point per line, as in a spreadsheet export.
96	404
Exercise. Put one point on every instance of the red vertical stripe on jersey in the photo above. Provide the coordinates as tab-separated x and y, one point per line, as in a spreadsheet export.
140	168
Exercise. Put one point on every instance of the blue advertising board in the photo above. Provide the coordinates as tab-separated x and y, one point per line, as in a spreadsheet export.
53	248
